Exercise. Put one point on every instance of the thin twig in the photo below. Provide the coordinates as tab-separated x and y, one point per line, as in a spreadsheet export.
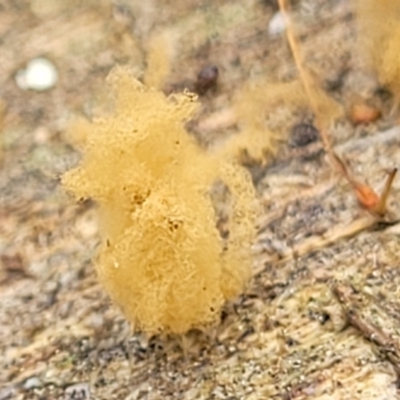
364	193
388	347
319	242
304	76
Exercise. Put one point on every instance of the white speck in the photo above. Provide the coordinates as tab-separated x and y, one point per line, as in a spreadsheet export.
116	264
32	383
40	74
277	24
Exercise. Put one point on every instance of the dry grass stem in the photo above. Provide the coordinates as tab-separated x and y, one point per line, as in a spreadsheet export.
365	194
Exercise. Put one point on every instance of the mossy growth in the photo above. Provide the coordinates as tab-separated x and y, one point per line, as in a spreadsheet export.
162	258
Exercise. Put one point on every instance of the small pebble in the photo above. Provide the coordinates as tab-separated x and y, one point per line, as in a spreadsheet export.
303	134
32	383
277	24
7	393
40	74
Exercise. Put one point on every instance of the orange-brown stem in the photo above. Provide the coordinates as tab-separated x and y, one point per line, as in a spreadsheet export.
380	207
365	194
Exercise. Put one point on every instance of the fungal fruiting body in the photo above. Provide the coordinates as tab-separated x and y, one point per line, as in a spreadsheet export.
162	258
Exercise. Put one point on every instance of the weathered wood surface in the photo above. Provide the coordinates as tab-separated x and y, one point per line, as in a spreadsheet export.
320	318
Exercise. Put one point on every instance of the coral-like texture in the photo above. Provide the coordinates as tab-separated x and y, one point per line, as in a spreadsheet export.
162	258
